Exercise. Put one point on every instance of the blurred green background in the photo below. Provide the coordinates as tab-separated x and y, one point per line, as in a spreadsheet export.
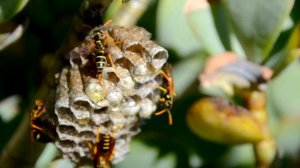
265	32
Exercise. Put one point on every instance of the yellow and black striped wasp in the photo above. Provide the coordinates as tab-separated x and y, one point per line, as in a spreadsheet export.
102	150
99	52
37	129
168	92
94	49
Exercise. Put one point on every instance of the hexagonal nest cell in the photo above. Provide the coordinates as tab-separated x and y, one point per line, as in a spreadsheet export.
126	93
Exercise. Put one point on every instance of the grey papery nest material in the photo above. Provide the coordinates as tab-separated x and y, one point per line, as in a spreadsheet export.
128	92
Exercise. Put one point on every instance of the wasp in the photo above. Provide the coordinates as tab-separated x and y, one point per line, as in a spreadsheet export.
168	92
102	150
100	54
95	47
38	133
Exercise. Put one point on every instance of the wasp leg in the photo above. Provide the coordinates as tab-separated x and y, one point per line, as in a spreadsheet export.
91	147
32	127
169	80
99	76
37	127
162	89
161	112
112	155
169	115
167	77
112	140
113	151
94	148
110	60
39	134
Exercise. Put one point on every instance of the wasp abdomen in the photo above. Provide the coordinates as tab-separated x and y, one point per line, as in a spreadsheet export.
107	144
101	62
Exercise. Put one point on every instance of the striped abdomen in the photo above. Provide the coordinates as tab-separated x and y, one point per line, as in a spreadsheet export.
106	145
105	150
101	62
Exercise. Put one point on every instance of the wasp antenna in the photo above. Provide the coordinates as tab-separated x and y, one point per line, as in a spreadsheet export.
87	26
107	23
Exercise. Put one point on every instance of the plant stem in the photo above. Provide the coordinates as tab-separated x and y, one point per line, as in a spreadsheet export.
20	152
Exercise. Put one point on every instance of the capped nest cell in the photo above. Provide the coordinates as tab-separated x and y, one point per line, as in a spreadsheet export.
115	105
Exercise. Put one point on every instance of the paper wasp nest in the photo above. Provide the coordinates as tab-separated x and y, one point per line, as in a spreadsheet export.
128	92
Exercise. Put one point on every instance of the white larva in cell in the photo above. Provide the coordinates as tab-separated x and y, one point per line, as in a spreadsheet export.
95	92
147	108
114	98
130	107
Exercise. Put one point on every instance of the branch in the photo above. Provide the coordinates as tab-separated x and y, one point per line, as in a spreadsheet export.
20	150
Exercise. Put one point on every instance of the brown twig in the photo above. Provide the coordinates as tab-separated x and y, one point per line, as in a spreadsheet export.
130	12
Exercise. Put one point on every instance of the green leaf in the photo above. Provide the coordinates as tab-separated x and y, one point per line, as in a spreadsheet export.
172	28
236	46
47	156
186	72
9	8
9	108
226	35
239	155
257	24
7	39
202	23
283	106
145	156
283	91
288	137
286	52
